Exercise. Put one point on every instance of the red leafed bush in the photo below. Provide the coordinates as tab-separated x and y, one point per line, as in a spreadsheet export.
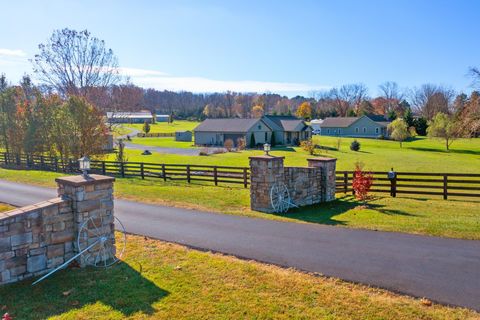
362	182
6	316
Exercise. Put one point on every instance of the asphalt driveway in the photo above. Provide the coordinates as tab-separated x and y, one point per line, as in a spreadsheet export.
441	269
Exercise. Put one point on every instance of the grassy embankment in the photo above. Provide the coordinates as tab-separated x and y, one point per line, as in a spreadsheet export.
157	280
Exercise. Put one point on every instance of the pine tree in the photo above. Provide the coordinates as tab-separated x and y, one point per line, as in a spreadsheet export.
252	141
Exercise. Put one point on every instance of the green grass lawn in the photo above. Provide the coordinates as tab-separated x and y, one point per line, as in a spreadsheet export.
157	280
163	142
165	127
456	218
419	155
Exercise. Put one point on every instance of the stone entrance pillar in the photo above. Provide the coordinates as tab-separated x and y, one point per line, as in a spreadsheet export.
264	172
328	183
90	197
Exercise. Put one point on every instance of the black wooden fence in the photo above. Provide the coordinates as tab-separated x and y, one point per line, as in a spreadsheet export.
171	172
417	183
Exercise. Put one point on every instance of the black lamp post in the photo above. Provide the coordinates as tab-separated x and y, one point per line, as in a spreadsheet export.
84	165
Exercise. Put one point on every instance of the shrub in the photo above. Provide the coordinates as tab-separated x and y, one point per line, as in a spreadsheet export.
308	146
355	145
362	182
146	127
228	144
241	144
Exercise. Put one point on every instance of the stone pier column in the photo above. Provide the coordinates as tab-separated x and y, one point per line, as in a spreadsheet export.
90	197
264	172
328	183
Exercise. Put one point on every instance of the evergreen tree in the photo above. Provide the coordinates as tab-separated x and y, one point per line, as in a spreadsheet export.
420	125
408	117
252	141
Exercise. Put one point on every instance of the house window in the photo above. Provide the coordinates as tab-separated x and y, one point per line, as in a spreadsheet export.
357	130
376	130
339	131
266	137
364	130
259	127
328	131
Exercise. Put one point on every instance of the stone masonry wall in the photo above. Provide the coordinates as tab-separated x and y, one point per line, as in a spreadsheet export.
38	238
306	185
35	239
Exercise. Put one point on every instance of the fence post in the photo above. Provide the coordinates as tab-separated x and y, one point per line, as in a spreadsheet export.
122	169
445	187
164	174
42	162
18	159
5	158
215	175
393	186
345	182
188	173
142	172
70	165
353	178
104	169
245	182
56	164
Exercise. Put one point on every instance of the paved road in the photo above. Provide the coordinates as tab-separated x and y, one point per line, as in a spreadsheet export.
444	270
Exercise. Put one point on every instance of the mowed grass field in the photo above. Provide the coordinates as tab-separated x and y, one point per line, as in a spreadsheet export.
165	127
456	218
158	280
419	155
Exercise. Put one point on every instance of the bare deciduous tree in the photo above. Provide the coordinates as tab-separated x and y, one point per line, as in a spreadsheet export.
348	97
72	61
429	99
475	73
392	94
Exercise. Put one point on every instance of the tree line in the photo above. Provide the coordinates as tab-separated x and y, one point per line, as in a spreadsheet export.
79	81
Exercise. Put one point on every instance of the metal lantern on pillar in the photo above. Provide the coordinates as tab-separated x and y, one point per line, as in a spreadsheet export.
266	148
84	165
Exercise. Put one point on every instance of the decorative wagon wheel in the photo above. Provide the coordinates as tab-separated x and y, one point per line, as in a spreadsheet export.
280	198
96	244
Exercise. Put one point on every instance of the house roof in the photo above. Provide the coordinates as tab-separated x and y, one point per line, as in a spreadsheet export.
338	122
345	122
129	115
227	125
285	123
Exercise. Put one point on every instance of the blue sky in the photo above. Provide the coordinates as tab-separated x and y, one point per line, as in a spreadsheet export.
290	47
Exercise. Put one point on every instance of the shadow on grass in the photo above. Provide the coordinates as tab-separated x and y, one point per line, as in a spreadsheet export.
120	287
460	151
325	213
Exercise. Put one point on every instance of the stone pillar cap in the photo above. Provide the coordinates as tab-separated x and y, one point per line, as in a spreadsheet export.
322	159
266	158
80	180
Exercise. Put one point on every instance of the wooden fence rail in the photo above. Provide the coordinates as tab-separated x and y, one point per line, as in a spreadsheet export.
187	172
416	183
